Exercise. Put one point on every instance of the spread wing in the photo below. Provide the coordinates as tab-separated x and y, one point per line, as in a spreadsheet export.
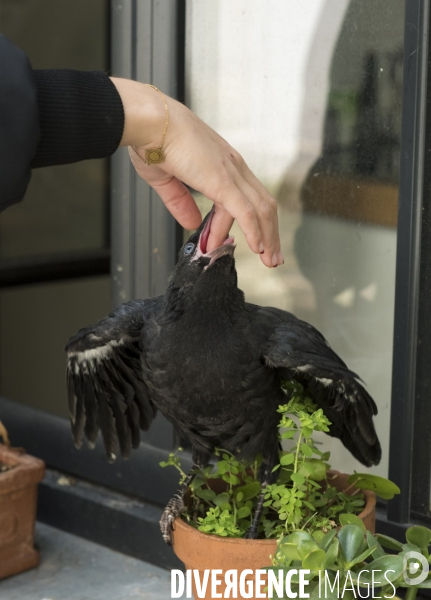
298	351
106	388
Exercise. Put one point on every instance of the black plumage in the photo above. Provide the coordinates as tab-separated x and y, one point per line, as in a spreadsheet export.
212	364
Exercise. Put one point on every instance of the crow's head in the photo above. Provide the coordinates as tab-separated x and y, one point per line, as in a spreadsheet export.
197	266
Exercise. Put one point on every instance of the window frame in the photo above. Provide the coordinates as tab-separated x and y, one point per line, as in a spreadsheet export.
409	415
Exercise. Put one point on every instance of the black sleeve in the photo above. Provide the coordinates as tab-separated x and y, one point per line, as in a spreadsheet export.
81	116
51	117
19	122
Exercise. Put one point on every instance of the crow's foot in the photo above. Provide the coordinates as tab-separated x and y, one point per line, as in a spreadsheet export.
174	507
251	533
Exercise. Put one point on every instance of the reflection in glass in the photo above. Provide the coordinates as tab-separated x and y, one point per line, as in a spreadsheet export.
310	94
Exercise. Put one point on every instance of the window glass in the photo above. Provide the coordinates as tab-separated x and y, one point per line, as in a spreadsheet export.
35	323
65	208
310	94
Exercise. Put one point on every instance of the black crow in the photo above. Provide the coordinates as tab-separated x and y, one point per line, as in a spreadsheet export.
212	364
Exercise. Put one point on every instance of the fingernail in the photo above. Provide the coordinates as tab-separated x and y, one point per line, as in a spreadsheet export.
274	260
261	250
280	258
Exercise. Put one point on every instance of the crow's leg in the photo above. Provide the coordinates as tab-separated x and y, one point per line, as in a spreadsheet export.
251	532
175	505
266	476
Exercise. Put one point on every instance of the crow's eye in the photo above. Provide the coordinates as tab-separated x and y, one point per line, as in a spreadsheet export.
188	248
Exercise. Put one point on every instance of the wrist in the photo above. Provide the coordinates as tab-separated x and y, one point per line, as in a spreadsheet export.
144	113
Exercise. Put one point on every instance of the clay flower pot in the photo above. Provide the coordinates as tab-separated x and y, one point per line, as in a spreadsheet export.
18	497
202	551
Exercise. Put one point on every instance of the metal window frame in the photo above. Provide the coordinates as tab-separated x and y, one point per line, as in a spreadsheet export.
404	421
147	45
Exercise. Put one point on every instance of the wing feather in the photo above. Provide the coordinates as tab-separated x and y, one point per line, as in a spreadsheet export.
298	351
105	381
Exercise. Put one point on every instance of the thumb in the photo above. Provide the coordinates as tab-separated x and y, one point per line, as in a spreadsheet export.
179	201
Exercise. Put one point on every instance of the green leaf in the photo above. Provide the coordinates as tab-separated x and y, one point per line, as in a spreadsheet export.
361	557
410	548
374	545
331	590
233	479
297	536
419	535
287	459
249	490
314	560
388	542
297	478
207	495
220	499
313	469
306	450
391	567
243	512
198	481
331	554
347	518
290	550
318	535
351	538
327	539
382	487
305	547
307	432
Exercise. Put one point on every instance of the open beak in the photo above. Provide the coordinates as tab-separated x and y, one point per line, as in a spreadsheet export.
226	248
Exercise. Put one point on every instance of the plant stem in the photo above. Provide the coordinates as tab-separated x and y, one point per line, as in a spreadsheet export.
411	592
298	445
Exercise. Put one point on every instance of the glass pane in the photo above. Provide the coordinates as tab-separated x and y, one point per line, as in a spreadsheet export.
65	207
35	324
310	94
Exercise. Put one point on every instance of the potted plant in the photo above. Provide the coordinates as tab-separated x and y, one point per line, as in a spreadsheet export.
19	477
351	562
308	496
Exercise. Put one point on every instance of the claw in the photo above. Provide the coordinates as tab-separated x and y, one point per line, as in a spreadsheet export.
173	509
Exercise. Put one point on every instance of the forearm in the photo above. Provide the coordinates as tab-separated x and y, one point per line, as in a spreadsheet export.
81	116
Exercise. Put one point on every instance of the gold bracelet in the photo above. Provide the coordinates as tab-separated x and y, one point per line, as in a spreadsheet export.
154	156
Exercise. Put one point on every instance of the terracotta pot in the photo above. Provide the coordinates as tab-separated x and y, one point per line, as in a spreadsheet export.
202	551
18	497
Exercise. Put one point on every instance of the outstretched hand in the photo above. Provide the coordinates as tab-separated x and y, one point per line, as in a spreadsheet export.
197	156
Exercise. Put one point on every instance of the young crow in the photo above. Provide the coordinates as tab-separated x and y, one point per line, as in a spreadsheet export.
212	364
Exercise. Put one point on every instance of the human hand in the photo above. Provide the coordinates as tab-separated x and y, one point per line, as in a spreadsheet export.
197	156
